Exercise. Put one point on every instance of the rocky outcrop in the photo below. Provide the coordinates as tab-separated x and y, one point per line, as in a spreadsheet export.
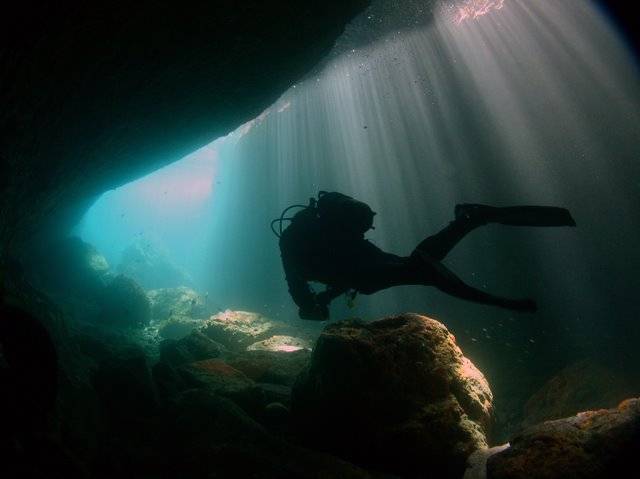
181	302
178	311
592	445
280	343
395	394
238	329
70	268
583	386
151	267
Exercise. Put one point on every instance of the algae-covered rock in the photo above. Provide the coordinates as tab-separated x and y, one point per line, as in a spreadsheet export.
582	386
396	394
591	445
238	329
180	302
124	303
177	327
280	344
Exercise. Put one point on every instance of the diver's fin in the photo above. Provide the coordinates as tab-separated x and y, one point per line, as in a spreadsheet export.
533	216
515	215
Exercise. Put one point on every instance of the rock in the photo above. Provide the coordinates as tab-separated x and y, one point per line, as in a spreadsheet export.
206	435
167	380
181	302
220	378
276	416
124	303
177	327
276	393
238	329
29	373
125	386
396	394
591	445
477	462
70	267
284	344
194	347
270	367
151	267
582	386
83	147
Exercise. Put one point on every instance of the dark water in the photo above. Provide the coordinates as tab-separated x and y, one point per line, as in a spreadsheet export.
534	102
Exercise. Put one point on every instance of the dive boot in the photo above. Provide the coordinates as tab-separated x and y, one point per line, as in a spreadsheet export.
517	215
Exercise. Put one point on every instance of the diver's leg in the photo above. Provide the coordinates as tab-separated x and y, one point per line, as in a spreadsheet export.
438	245
436	274
470	216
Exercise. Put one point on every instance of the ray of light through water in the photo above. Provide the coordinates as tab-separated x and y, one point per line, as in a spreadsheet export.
530	102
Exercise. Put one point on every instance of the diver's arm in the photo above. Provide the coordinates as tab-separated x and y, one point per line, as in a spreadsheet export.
300	290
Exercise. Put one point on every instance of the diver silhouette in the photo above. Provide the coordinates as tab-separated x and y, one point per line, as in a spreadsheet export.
325	243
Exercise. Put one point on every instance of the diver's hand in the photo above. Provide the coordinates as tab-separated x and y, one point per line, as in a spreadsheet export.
316	312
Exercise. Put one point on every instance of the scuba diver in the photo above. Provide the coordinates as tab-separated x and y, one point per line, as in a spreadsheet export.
325	243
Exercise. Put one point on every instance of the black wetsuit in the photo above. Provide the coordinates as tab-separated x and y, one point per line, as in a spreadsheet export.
312	249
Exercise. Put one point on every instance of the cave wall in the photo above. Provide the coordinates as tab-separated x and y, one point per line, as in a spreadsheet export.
94	95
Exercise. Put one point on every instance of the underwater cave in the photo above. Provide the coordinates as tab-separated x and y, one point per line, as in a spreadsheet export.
151	322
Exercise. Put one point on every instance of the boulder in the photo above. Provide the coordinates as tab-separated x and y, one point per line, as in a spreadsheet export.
279	343
582	386
591	445
194	347
177	327
238	329
271	367
217	376
125	304
181	302
395	394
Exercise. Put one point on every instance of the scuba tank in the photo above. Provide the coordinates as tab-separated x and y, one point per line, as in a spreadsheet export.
344	214
336	211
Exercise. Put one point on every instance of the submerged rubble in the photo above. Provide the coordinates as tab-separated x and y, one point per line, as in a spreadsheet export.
389	398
